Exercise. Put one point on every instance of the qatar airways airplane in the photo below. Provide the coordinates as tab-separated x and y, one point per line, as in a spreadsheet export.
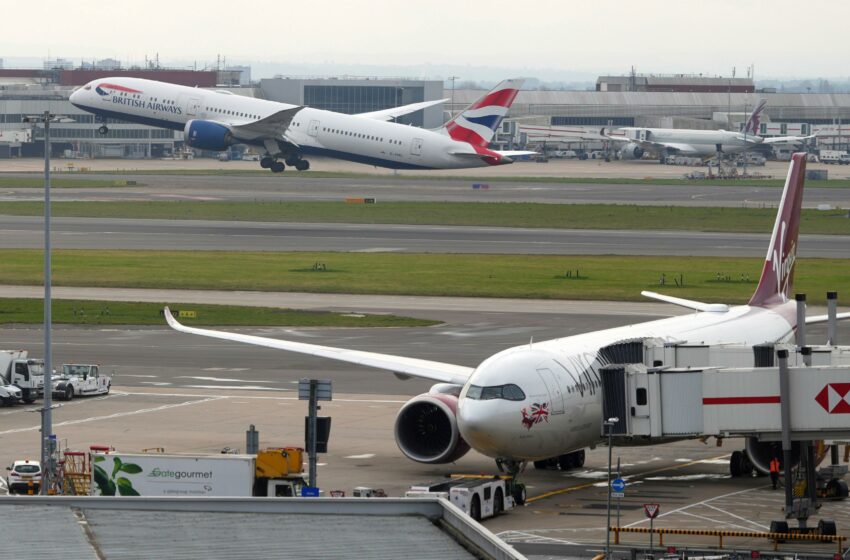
542	401
214	120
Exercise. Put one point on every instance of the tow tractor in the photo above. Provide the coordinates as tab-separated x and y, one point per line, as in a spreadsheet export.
479	496
80	379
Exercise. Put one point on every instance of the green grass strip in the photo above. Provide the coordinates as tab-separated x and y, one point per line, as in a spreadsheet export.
86	312
727	280
494	214
63	183
531	178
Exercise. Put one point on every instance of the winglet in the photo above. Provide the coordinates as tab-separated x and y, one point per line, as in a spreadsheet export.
777	276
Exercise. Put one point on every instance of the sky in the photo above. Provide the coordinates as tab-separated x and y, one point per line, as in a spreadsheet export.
544	38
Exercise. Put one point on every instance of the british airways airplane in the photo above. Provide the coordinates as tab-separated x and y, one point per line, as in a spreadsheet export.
542	401
214	120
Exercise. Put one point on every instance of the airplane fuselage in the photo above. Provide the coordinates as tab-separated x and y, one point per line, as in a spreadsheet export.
562	409
694	142
312	131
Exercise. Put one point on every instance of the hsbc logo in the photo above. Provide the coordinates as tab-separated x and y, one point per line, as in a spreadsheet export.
835	398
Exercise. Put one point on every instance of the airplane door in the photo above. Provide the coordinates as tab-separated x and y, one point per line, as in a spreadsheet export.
313	128
416	147
555	394
193	107
642	135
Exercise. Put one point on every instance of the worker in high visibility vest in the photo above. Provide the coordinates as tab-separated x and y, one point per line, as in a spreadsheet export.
774	472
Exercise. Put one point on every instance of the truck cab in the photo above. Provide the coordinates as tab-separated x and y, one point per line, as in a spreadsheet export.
26	374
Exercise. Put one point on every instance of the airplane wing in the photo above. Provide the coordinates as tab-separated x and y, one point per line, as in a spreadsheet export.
389	114
273	126
690	304
786	139
670	147
400	365
824	318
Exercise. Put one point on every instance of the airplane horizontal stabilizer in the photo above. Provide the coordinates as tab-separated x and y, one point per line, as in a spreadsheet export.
690	304
395	112
824	318
426	369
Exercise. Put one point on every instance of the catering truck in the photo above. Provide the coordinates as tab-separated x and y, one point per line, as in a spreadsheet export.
24	373
276	472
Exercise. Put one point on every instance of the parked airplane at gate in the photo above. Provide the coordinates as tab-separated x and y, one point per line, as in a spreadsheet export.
215	120
542	400
661	142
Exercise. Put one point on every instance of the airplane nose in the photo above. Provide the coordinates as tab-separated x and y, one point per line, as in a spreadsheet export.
478	422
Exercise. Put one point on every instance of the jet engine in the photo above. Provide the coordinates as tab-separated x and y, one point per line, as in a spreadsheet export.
207	135
426	428
631	151
761	452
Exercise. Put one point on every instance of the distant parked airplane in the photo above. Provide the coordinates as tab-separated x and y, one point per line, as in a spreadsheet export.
661	142
214	120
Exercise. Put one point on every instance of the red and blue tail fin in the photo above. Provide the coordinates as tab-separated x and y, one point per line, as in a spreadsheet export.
753	125
777	276
477	124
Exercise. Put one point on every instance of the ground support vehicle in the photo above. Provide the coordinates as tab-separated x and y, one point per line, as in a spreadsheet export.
834	156
479	496
80	379
9	395
26	374
275	472
24	477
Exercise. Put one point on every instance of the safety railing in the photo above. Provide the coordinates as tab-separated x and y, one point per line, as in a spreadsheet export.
775	537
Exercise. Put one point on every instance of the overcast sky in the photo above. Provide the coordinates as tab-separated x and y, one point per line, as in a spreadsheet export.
780	38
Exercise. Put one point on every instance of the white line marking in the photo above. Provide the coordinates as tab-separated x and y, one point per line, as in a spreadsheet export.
113	416
223	379
237	387
695	504
370	401
156	383
716	522
135	375
364	456
745	520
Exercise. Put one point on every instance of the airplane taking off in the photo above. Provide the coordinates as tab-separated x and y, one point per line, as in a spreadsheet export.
215	120
542	401
661	142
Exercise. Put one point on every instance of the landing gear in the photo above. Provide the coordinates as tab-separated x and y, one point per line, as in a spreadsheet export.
574	460
103	130
302	165
740	464
277	167
266	162
512	469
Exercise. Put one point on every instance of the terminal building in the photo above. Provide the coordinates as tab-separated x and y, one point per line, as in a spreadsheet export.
678	101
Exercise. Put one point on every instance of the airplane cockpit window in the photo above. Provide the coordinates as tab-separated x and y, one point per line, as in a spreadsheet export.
509	392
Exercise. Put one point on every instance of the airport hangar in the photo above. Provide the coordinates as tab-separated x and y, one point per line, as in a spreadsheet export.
679	101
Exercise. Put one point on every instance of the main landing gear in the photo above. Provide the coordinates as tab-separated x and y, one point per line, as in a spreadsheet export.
574	460
276	166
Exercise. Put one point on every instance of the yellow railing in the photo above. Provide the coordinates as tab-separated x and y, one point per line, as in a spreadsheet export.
775	537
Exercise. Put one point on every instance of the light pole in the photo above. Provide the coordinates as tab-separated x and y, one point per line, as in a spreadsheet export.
452	110
609	425
47	443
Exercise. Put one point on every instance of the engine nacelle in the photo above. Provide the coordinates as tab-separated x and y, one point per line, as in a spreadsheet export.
207	135
632	151
426	429
761	452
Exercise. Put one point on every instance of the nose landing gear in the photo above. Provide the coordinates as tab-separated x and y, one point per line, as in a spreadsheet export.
512	468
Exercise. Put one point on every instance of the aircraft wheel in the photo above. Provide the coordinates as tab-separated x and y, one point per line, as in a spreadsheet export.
566	462
499	503
541	465
302	165
736	464
520	494
475	509
103	130
69	393
278	167
291	161
266	162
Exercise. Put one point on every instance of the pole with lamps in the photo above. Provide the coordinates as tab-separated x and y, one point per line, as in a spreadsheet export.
47	441
452	110
609	426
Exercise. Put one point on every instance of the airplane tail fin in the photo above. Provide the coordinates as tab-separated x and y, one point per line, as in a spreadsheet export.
754	122
477	124
777	276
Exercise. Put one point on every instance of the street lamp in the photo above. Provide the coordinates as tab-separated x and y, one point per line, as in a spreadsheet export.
609	425
48	443
452	110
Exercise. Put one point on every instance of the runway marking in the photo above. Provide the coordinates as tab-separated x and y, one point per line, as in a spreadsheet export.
156	383
704	502
378	250
225	369
371	401
364	456
113	416
137	375
745	520
238	387
719	522
506	535
586	485
225	379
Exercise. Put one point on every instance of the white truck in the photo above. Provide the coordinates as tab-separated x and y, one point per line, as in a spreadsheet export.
9	395
834	156
479	496
275	472
24	373
80	379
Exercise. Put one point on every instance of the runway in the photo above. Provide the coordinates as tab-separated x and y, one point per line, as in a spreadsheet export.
389	188
24	232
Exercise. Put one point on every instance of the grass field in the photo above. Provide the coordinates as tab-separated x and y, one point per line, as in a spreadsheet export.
37	182
727	280
836	183
79	312
494	214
